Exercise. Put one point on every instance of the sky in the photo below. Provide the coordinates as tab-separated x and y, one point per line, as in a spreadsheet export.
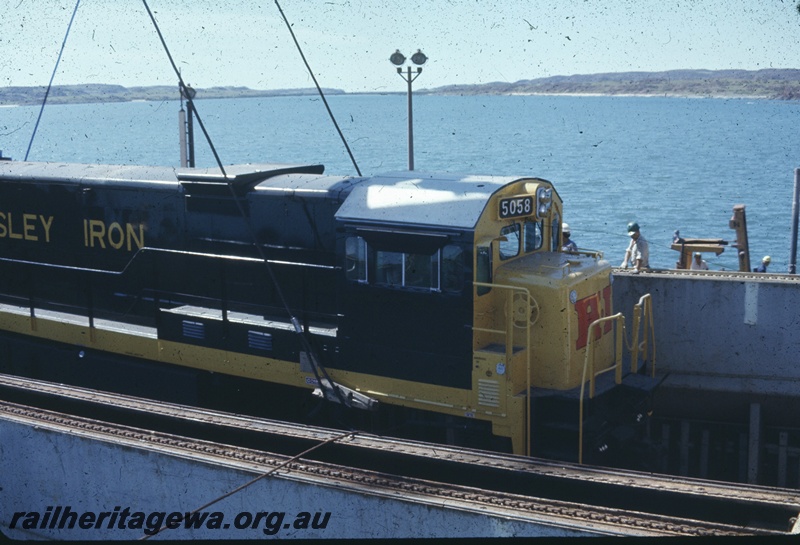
347	43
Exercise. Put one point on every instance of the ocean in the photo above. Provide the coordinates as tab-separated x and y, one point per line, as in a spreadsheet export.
667	163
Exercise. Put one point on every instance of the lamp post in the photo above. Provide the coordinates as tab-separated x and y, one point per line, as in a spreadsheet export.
398	59
186	125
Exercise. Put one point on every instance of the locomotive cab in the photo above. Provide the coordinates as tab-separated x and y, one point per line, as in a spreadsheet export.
564	292
441	270
533	306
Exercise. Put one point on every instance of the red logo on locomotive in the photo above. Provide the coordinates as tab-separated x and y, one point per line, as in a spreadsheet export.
589	309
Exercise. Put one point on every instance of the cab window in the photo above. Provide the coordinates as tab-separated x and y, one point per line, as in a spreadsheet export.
483	268
532	236
421	271
356	259
509	241
443	270
452	268
389	268
555	232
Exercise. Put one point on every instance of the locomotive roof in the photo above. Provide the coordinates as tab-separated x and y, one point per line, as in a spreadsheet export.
238	175
66	172
309	185
440	200
399	198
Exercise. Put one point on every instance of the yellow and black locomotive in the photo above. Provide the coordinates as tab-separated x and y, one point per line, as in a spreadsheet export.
437	295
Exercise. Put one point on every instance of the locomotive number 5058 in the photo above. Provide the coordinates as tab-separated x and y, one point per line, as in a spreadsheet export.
515	207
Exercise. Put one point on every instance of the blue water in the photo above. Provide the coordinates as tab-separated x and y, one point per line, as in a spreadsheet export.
667	163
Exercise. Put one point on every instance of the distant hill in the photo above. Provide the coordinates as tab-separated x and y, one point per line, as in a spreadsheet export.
768	83
783	84
92	92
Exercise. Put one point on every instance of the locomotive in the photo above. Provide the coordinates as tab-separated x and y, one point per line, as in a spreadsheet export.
440	298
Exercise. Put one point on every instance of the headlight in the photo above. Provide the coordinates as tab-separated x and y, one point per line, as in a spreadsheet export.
544	198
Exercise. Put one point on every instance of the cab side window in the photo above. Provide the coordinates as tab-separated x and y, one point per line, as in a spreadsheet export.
452	268
509	241
421	271
356	259
389	268
532	236
555	231
443	270
483	268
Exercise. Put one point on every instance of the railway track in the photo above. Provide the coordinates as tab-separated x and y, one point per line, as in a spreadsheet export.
644	503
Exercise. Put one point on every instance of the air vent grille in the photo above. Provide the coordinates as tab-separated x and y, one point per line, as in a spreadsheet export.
258	340
488	393
194	330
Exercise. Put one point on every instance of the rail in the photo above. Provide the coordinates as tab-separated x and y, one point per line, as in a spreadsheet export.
511	309
641	501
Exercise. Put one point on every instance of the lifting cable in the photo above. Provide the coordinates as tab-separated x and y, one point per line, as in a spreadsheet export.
52	76
256	479
319	89
318	369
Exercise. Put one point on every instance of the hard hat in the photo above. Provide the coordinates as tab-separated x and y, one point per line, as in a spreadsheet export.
767	259
697	254
633	227
565	227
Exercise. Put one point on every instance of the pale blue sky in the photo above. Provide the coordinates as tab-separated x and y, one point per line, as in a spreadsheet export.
348	42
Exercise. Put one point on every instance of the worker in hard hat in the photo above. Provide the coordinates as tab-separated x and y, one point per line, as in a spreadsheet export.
567	244
764	264
638	252
698	263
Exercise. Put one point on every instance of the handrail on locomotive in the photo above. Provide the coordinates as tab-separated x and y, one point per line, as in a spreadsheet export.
644	306
508	333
